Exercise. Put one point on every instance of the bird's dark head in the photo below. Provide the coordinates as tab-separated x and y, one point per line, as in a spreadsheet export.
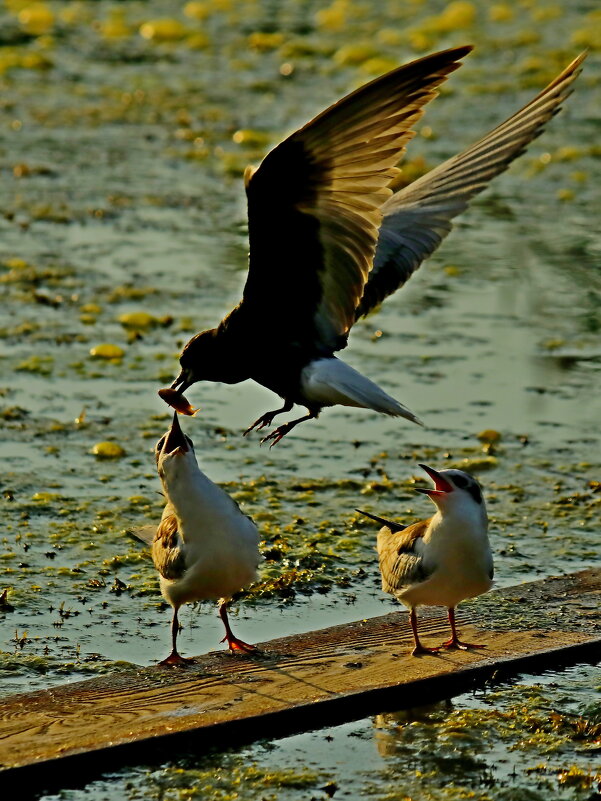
199	361
214	355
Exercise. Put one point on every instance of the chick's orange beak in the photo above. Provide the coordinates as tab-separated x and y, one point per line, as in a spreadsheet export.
441	485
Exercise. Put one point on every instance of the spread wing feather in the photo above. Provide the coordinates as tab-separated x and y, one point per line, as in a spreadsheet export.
418	217
401	562
314	204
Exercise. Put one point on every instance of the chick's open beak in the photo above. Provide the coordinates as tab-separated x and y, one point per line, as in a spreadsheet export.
175	438
442	486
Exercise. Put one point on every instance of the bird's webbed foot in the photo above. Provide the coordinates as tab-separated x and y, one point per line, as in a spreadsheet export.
175	659
421	650
455	643
235	644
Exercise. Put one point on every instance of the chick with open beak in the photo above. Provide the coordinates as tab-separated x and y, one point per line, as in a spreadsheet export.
443	559
205	548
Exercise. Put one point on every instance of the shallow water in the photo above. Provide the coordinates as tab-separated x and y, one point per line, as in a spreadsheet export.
122	193
515	741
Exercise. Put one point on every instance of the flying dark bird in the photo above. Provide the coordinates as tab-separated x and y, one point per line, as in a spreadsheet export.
204	548
329	241
442	560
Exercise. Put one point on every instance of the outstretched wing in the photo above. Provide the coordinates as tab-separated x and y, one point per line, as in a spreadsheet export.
314	204
418	217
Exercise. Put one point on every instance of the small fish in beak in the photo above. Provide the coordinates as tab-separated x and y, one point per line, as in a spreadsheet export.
177	401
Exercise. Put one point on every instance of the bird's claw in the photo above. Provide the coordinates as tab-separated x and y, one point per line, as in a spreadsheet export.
276	435
263	422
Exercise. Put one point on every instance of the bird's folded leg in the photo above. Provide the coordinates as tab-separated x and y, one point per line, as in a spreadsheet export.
267	419
454	641
233	643
281	431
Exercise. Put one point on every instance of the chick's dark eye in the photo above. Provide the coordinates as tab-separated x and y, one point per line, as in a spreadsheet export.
460	482
160	443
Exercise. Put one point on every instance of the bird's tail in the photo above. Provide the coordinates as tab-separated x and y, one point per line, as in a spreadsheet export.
330	381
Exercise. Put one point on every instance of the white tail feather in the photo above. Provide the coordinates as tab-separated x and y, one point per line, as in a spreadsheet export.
331	382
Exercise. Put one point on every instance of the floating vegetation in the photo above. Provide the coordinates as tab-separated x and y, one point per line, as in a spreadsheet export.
107	351
108	450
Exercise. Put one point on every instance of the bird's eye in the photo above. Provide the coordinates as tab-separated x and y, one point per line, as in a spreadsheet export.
460	481
160	443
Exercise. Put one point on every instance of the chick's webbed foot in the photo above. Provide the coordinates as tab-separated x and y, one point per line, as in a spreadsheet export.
458	644
234	644
421	650
176	659
454	641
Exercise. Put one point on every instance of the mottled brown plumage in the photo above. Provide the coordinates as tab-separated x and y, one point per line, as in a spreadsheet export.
400	563
167	557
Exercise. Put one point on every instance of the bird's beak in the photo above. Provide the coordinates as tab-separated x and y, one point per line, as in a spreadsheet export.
182	382
441	485
175	438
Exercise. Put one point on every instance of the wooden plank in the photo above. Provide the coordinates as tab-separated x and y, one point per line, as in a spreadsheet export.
300	682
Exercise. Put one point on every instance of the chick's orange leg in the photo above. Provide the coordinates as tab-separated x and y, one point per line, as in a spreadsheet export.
454	641
234	644
419	648
175	658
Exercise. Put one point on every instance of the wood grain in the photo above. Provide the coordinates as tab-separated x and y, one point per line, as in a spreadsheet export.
300	682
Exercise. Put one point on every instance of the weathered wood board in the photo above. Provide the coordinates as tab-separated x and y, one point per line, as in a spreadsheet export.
298	683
